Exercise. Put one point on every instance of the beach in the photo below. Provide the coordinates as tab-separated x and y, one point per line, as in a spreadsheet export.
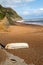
26	33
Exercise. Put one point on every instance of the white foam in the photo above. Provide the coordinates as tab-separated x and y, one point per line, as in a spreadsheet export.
20	21
16	45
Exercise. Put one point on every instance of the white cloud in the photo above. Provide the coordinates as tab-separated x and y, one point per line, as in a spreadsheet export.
14	1
33	11
29	0
17	1
41	9
20	1
26	12
38	11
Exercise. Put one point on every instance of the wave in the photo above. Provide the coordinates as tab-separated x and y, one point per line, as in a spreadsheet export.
36	23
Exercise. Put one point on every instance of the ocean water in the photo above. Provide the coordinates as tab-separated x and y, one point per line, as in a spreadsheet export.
34	22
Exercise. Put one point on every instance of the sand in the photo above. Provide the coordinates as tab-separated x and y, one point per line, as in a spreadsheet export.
3	56
31	34
9	59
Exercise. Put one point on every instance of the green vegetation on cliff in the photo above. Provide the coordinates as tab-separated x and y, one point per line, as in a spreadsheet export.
11	15
7	17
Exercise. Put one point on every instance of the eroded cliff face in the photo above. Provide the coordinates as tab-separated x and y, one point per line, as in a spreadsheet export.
4	24
7	17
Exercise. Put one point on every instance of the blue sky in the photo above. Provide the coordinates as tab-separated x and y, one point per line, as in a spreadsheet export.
28	9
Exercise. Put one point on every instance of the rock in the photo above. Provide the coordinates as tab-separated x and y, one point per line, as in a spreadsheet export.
8	61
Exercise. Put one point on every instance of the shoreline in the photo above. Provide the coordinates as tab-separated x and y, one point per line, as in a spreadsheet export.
23	23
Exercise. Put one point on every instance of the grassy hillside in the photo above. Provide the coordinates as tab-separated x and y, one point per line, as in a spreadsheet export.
11	15
7	17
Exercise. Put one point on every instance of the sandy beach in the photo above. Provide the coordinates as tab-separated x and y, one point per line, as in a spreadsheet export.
31	34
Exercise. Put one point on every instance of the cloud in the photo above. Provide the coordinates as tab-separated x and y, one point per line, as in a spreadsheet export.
29	0
38	11
30	11
20	1
33	11
41	9
25	12
15	1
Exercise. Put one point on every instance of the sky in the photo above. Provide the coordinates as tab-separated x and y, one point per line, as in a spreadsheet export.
27	9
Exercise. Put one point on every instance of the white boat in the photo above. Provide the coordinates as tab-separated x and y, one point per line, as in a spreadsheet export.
16	45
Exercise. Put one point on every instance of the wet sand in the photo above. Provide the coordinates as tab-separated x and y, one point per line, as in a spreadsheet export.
31	34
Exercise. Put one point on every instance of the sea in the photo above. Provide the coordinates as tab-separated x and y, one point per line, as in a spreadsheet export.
34	22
